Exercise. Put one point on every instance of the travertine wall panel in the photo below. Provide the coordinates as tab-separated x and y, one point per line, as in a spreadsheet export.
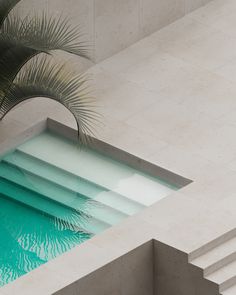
112	25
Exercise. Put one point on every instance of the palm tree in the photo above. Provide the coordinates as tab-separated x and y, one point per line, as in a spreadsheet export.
23	75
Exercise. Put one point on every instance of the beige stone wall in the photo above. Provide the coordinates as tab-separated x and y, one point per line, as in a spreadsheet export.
151	269
112	25
131	274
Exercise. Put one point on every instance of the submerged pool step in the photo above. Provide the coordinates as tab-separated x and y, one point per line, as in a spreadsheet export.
70	218
97	168
61	195
73	182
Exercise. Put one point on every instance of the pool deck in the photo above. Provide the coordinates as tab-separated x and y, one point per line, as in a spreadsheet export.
169	99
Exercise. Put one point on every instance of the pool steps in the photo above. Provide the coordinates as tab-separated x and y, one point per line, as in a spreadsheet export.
90	191
73	200
218	262
38	202
74	183
97	168
42	180
230	291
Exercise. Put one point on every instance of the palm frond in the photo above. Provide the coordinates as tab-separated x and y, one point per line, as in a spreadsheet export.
45	33
5	7
12	59
42	79
20	40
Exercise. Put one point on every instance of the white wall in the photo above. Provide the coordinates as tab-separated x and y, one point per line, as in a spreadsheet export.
112	25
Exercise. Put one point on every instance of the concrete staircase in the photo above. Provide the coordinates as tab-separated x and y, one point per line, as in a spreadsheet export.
217	260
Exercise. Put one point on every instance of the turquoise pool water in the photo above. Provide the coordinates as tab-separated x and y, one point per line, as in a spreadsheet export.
54	196
30	238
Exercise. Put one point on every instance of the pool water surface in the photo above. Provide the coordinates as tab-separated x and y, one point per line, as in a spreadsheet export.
55	195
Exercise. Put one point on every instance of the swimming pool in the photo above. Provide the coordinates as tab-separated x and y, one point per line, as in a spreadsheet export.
55	195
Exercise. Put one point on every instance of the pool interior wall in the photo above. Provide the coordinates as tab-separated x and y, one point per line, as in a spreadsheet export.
55	194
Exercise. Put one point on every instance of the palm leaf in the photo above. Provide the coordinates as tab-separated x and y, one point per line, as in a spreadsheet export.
20	40
39	78
5	7
13	57
45	33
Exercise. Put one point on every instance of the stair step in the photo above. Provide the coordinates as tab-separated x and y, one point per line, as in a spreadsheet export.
229	291
97	168
72	182
225	277
61	195
212	244
217	257
71	219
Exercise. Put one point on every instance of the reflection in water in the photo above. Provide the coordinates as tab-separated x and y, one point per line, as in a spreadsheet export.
30	238
35	233
53	198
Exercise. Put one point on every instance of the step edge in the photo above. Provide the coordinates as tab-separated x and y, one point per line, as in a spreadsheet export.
52	200
46	213
74	175
228	289
62	187
211	245
227	284
220	264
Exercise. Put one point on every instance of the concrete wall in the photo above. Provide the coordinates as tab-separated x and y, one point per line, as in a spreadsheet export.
131	274
173	275
112	25
151	269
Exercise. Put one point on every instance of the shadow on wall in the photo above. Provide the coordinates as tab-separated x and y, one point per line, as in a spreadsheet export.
112	25
151	269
